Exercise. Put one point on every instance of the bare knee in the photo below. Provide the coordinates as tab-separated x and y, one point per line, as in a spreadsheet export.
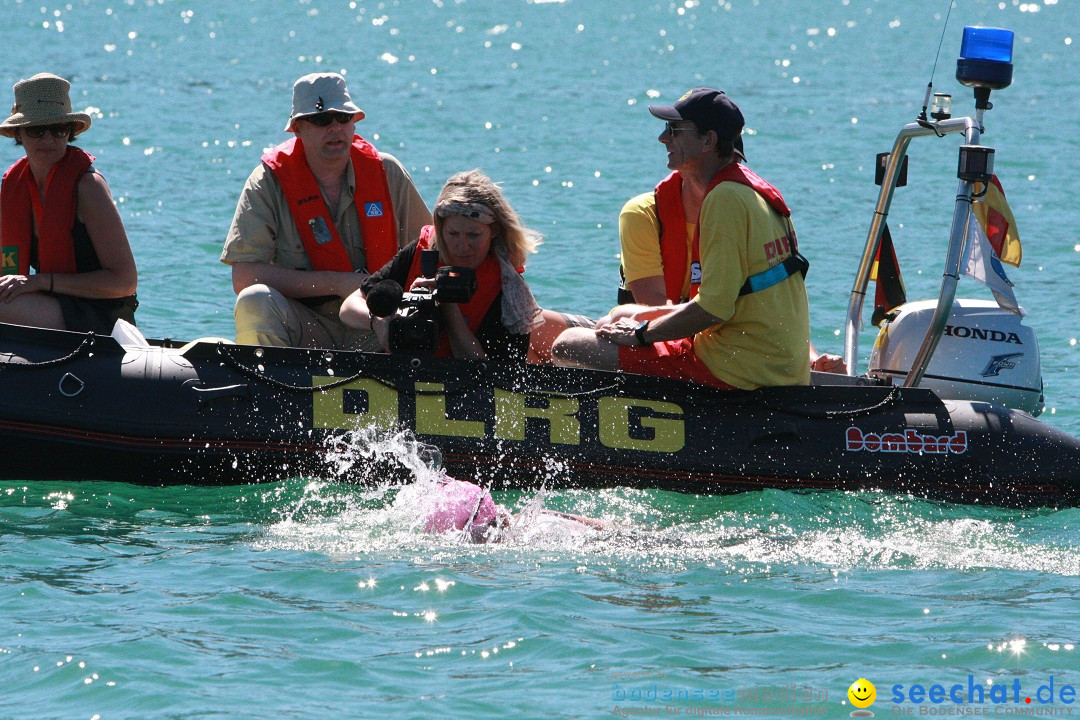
34	309
580	347
563	346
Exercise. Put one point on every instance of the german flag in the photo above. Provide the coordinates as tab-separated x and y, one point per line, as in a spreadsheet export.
890	292
997	221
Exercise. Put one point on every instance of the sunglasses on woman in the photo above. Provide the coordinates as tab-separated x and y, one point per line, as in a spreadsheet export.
57	131
324	119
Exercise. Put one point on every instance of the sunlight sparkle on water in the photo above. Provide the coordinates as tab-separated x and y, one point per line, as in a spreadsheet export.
1016	647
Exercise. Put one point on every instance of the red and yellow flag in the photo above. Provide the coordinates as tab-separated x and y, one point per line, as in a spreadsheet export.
889	292
993	213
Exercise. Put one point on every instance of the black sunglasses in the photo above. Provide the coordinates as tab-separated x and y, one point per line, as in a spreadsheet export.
57	131
324	119
672	129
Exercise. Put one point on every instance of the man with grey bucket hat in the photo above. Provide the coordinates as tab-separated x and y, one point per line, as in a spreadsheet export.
322	211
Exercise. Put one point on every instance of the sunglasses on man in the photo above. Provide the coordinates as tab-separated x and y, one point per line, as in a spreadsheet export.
672	129
326	118
57	131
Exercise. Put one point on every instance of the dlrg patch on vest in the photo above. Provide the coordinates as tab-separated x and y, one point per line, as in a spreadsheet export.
321	230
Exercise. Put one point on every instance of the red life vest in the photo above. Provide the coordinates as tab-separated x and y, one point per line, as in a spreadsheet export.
672	217
308	209
795	262
22	207
488	287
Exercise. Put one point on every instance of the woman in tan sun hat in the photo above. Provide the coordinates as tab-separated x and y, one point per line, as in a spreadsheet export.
57	216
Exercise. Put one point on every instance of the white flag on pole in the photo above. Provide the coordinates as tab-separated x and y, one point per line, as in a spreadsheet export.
981	263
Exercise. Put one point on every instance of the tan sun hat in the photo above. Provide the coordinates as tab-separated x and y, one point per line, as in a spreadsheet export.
43	100
318	93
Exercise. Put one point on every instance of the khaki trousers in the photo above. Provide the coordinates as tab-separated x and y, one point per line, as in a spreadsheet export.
264	316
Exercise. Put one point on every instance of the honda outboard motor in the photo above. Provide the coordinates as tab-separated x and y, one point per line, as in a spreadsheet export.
985	353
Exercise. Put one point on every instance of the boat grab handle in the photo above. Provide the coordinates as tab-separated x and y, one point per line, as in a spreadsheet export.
210	394
73	383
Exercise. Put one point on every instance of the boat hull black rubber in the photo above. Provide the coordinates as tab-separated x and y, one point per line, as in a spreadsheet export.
82	407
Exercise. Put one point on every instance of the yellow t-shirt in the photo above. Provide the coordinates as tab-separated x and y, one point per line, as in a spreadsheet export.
764	336
639	236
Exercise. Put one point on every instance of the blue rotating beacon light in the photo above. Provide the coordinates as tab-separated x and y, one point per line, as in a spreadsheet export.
985	62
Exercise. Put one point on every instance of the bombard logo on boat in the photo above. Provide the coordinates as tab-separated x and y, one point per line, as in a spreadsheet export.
909	441
11	259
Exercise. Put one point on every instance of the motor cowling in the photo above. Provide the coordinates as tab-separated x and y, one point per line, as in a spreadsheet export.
985	353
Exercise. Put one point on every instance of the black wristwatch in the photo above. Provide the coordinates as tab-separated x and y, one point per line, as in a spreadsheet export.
640	330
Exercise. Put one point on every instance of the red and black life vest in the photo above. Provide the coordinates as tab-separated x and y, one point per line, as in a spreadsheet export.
313	221
22	207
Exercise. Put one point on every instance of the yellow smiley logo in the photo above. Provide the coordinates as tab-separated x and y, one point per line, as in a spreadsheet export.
862	693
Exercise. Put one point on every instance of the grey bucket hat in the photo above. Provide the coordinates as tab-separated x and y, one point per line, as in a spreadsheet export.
318	93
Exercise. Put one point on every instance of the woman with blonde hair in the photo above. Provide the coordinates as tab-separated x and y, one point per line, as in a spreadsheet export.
475	228
57	216
473	186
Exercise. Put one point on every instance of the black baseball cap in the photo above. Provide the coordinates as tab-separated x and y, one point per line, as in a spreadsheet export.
707	108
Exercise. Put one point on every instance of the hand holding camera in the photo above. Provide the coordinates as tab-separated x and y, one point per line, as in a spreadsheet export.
414	325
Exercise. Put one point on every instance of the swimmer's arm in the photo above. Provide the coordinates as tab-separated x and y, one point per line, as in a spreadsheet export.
594	523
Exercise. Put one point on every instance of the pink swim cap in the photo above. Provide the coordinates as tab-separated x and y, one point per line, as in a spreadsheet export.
455	502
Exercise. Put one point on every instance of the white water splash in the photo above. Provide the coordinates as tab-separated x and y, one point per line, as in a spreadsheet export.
374	513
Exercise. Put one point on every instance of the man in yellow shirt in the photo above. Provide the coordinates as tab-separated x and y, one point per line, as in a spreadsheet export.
747	325
656	232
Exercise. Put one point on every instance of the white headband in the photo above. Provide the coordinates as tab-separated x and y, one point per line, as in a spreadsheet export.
473	211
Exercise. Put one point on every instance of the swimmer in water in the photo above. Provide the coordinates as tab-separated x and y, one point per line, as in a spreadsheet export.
459	506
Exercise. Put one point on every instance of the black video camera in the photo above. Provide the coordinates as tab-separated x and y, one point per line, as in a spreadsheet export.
414	325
